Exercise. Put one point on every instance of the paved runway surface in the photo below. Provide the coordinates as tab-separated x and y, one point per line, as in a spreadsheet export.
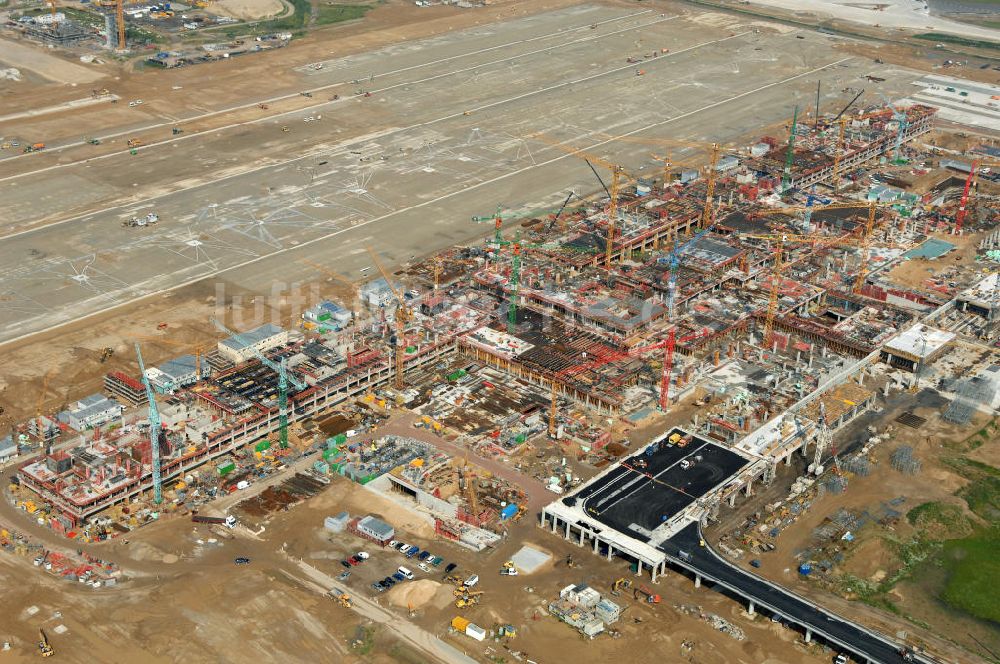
444	137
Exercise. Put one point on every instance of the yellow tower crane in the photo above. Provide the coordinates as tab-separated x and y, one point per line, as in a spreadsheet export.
819	242
402	317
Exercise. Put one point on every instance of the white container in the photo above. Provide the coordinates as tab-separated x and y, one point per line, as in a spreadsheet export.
476	632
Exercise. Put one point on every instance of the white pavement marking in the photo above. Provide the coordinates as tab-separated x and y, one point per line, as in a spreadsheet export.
410	208
293	95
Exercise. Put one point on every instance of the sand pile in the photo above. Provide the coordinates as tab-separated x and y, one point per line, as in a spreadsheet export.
414	593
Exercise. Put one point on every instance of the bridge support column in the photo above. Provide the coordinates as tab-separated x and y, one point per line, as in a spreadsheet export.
567	530
541	524
611	552
809	635
555	520
583	535
597	542
749	488
751	609
697	580
638	568
652	573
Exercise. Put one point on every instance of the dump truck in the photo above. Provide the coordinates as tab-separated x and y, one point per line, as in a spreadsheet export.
227	521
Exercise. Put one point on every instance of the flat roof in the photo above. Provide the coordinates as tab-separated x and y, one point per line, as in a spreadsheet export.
252	337
982	292
920	341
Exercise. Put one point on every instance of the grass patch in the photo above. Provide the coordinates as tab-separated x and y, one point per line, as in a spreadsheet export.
364	640
973	573
329	13
939	521
961	41
982	494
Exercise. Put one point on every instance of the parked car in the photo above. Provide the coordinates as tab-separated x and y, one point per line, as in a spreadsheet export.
388	582
412	552
450	568
378	587
398	576
345	563
362	555
437	560
424	556
242	561
344	575
354	560
424	567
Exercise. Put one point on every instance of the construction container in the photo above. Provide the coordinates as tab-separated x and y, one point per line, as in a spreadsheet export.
262	445
321	467
225	469
508	511
337	523
461	624
476	632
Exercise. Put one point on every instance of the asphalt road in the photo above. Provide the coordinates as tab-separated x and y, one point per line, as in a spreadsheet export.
849	636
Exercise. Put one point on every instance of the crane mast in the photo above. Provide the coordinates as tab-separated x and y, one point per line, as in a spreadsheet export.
284	380
154	430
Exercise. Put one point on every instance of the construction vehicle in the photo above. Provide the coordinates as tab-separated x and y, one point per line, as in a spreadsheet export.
106	354
227	521
94	141
506	631
44	647
647	595
570	563
134	142
141	222
508	569
619	585
344	599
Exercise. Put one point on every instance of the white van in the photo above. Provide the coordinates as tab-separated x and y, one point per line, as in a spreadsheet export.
472	580
405	572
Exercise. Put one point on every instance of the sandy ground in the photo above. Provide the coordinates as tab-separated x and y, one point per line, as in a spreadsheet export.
204	608
904	14
29	57
247	10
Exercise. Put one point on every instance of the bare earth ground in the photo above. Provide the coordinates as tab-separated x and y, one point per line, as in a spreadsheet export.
869	557
204	608
26	56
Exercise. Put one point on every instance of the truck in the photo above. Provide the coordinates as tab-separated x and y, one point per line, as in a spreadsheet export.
227	521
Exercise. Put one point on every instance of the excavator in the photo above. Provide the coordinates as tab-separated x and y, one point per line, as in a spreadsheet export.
345	600
620	585
648	595
44	647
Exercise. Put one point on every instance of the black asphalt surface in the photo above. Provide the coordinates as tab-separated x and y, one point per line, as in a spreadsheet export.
649	487
850	637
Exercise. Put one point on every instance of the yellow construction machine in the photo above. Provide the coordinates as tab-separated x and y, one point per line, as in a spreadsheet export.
345	600
619	585
44	647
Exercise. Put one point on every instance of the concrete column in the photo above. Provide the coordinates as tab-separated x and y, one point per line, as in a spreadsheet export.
567	530
638	568
583	535
542	524
809	635
749	489
611	551
555	520
652	573
597	541
732	499
697	580
751	609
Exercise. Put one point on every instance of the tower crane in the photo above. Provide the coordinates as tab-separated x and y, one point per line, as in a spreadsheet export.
786	174
284	379
715	150
355	289
967	191
198	349
674	257
402	317
155	430
120	24
617	173
820	242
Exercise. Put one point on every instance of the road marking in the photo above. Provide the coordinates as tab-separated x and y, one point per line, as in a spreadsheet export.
322	88
410	208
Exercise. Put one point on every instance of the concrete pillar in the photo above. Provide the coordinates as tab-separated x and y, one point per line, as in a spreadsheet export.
611	551
751	609
809	635
555	520
583	535
567	530
749	489
542	524
732	499
697	580
652	573
638	568
597	541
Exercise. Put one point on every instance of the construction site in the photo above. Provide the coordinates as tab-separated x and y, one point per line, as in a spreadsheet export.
565	294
